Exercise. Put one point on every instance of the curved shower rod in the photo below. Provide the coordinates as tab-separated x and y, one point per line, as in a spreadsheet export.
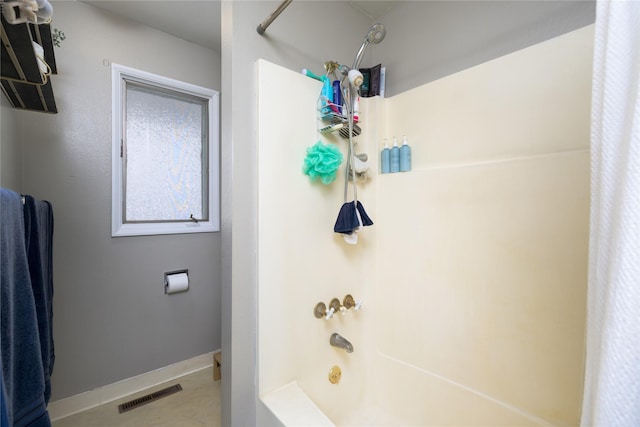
263	26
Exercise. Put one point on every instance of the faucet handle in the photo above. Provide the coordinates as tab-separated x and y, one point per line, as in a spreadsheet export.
320	310
334	307
348	301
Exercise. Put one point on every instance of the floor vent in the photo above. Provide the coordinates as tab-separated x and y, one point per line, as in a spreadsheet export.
135	403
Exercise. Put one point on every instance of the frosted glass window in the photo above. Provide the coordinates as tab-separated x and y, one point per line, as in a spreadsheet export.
164	151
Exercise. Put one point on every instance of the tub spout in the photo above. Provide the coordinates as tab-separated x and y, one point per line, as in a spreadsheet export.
339	341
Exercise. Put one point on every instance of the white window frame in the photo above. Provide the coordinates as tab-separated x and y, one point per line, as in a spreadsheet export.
118	228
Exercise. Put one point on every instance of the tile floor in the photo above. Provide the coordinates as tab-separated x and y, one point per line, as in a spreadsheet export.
197	405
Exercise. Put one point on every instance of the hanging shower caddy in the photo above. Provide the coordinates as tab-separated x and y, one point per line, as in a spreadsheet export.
333	116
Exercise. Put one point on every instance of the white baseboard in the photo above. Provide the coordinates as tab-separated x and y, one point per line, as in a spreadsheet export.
90	399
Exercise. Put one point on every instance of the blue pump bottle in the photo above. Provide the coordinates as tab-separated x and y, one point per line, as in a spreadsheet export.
384	157
405	156
395	157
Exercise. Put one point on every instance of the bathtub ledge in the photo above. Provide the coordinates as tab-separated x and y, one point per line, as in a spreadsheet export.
291	405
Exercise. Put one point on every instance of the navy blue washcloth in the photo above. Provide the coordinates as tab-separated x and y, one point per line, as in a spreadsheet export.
366	221
347	220
22	371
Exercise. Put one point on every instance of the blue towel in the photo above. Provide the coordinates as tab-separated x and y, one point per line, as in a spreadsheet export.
45	223
22	371
4	411
38	224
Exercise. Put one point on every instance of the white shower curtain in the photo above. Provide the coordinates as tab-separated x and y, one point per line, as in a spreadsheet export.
612	377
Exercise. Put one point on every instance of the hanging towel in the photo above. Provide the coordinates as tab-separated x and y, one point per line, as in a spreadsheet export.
38	224
45	223
4	411
19	337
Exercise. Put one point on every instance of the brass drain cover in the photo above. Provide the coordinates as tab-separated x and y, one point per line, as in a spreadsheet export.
334	374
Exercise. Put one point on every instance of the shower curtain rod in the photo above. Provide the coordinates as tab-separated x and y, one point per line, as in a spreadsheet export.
263	26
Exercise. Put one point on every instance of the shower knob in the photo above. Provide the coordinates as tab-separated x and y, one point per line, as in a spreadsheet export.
334	307
348	301
320	310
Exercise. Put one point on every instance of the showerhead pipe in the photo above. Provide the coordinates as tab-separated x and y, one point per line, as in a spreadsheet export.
375	35
359	55
350	84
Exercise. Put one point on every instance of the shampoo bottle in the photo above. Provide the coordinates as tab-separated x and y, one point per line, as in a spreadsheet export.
326	95
384	157
337	96
405	156
327	89
394	160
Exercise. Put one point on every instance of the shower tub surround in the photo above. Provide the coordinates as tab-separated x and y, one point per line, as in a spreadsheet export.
473	277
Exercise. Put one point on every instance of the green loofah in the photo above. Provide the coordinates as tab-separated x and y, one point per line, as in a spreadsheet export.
322	162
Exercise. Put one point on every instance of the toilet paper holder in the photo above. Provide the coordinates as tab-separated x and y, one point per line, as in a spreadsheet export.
173	273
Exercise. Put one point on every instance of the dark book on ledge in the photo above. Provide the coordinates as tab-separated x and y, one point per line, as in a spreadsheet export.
366	79
374	85
370	81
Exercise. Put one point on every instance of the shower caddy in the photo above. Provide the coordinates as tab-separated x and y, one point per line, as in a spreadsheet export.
335	115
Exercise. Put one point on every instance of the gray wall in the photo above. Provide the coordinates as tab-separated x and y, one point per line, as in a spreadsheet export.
10	149
305	35
111	318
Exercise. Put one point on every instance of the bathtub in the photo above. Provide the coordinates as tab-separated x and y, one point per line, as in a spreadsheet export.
401	395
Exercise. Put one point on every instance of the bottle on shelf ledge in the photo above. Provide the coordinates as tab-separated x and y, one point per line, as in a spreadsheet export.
394	157
405	156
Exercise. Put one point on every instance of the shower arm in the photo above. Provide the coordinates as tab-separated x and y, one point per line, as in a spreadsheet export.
360	55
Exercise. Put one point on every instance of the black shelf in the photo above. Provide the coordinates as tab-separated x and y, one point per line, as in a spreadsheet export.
22	83
29	96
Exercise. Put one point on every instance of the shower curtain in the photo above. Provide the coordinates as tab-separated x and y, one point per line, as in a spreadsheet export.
612	377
